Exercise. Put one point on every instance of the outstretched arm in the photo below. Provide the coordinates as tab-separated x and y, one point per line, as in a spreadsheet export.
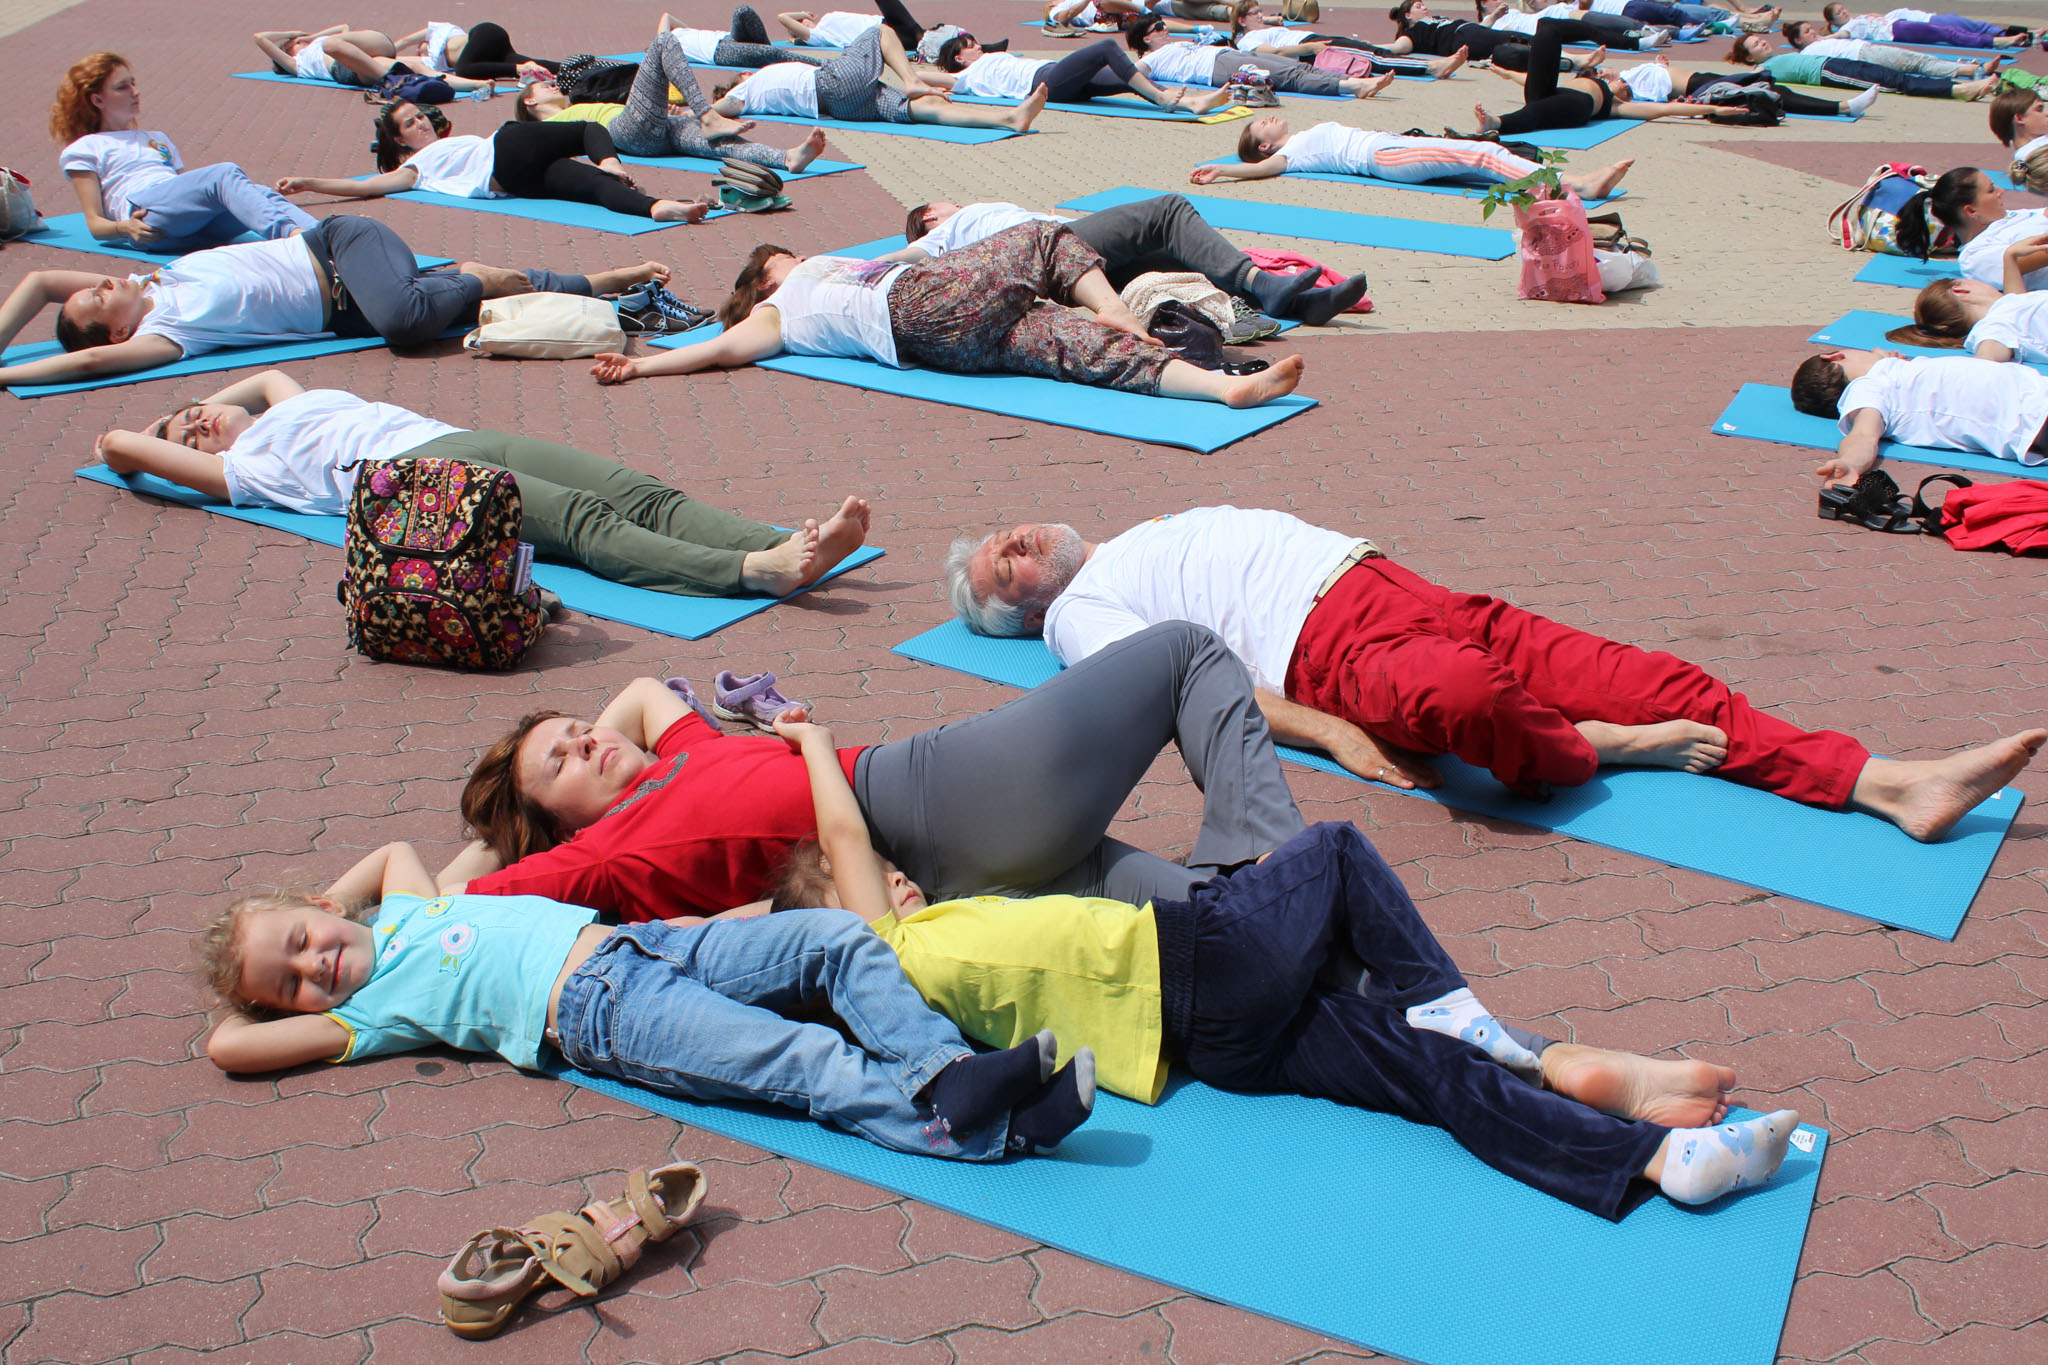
375	187
756	338
842	829
1254	170
1640	109
1857	453
1359	752
123	357
910	255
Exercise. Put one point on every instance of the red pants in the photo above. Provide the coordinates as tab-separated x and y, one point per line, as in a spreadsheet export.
1437	671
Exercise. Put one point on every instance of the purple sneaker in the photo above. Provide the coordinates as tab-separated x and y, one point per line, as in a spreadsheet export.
681	687
749	701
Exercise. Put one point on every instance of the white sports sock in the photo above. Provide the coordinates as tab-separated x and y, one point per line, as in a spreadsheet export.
1702	1164
1460	1015
1856	104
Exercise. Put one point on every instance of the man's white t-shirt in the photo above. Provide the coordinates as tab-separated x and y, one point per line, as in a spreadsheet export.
302	454
841	28
839	305
1180	63
976	222
1954	403
1249	574
1983	256
698	44
250	294
461	166
998	75
784	88
126	162
1331	148
2018	322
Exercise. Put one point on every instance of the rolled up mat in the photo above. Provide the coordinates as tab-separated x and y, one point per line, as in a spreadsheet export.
1764	412
1323	225
1854	863
665	613
1354	1224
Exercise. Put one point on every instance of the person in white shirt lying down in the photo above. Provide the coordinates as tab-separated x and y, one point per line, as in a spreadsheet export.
850	88
972	311
1268	148
1176	61
1948	402
1980	319
1161	233
265	441
1374	664
1100	68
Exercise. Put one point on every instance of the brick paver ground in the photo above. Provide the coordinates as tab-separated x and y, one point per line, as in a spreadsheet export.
183	720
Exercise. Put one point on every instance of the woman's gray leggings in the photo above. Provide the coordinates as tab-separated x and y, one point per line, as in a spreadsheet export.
1286	73
1019	798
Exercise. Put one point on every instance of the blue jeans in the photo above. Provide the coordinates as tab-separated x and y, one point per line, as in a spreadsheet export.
697	1010
1702	14
1260	1020
216	204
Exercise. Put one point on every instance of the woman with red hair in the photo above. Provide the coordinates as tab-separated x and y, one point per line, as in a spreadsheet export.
132	183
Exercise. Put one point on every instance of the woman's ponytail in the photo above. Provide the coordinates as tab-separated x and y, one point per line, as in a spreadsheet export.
1914	237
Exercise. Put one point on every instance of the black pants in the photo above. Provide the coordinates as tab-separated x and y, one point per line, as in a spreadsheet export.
1794	102
1508	51
538	161
487	54
1161	234
1102	67
899	21
1543	104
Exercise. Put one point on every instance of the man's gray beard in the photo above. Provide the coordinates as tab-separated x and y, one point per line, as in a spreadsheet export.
1062	562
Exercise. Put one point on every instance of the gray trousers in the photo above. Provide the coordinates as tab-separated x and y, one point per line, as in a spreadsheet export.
391	297
1285	72
616	522
1162	234
1018	799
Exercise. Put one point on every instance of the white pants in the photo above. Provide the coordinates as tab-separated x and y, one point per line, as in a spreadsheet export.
1417	159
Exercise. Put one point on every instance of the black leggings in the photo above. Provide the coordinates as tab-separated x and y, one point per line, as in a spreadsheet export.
538	161
487	55
1101	68
1436	38
1795	103
1543	104
899	20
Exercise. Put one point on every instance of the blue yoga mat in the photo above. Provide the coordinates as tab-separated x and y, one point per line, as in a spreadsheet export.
1854	863
1764	412
1348	1222
210	363
1582	138
706	166
560	211
1374	182
1185	422
1865	331
688	618
1324	225
1906	272
930	132
304	82
1110	106
68	231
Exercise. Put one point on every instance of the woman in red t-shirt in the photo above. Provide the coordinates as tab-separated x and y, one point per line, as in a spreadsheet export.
649	812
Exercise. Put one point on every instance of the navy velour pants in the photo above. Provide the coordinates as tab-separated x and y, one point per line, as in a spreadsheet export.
1260	1021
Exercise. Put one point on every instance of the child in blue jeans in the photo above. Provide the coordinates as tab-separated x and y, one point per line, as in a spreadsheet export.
692	1008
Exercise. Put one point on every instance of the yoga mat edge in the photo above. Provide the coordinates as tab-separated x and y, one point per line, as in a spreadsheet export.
1764	412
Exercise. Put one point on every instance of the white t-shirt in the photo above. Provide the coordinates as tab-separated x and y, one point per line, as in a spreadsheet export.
1849	49
126	162
1333	148
1180	63
2027	149
698	44
974	222
1983	257
837	305
841	28
2018	322
1649	82
249	294
1609	7
302	454
1866	28
998	75
461	166
1248	574
1955	403
438	37
312	60
784	88
1259	39
1909	16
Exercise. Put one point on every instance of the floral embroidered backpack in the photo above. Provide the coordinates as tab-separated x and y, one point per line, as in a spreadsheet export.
436	571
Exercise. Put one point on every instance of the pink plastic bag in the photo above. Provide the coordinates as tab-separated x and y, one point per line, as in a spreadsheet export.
1343	61
1557	252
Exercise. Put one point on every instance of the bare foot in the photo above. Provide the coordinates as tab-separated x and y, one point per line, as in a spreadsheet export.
1366	89
615	281
843	532
1276	381
1205	102
1487	122
1925	799
1973	90
499	282
1676	1094
718	126
784	569
1439	70
1598	184
805	152
1593	59
1683	744
679	211
1024	115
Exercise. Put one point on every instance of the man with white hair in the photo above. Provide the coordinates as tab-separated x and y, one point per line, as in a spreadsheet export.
1355	655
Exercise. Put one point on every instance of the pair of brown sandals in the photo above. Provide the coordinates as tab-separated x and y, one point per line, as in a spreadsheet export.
582	1252
1878	504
